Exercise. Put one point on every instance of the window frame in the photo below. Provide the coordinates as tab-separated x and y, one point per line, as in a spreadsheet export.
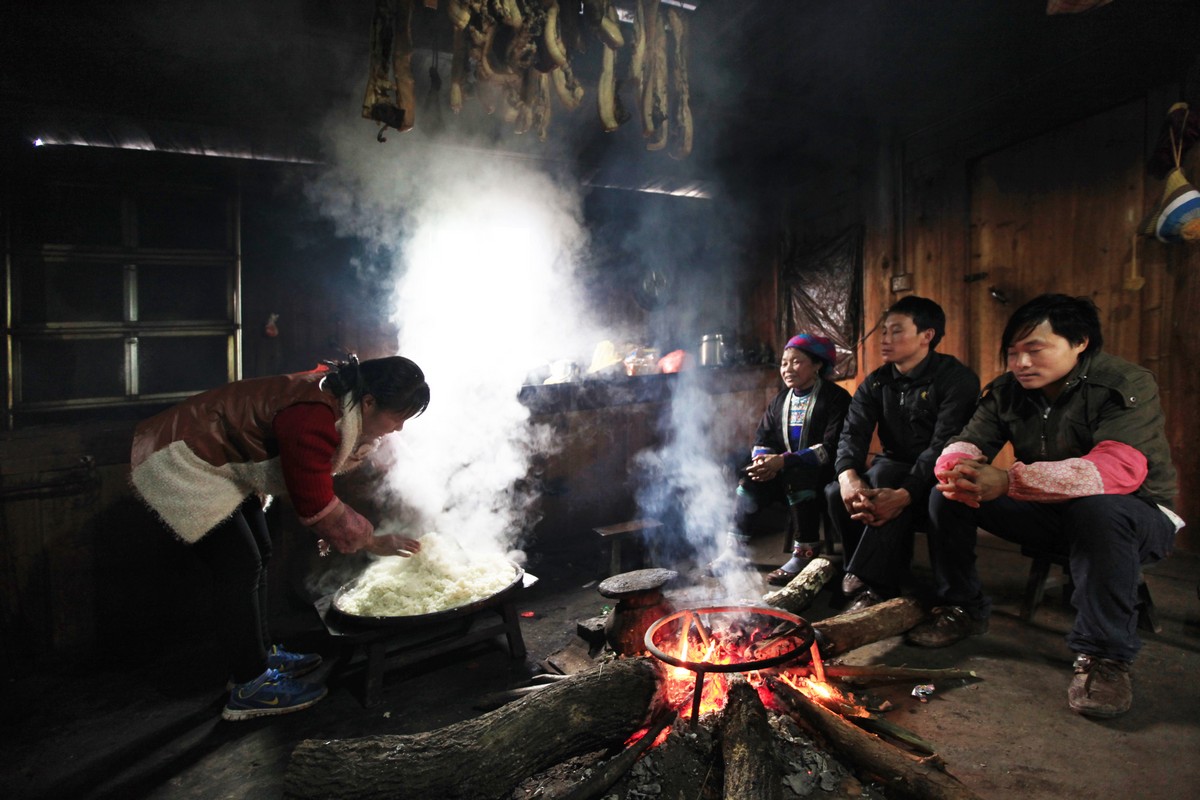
22	258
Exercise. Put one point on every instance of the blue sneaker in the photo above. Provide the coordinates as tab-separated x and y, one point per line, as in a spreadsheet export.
269	694
291	665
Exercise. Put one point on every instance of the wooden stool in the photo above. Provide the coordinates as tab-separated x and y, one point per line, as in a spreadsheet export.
1039	575
616	533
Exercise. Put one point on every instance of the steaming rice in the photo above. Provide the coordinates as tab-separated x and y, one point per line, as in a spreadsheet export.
442	576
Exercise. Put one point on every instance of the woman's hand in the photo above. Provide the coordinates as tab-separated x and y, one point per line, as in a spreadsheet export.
765	467
344	529
392	545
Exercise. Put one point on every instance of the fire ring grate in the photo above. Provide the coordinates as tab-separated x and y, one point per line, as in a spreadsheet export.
679	625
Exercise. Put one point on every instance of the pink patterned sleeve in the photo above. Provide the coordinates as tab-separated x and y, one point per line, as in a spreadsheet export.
954	453
1109	468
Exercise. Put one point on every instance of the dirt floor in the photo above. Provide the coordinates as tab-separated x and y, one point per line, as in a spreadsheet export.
151	728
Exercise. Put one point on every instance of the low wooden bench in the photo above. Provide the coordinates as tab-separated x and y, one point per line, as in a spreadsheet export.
615	534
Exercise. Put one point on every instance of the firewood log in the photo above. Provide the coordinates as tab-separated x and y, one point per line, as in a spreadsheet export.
483	757
903	775
800	591
603	778
752	772
873	675
844	632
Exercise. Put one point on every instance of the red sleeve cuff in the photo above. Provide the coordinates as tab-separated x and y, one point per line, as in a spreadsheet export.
954	453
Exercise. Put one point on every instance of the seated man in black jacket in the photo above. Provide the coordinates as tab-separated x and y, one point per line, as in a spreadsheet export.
917	400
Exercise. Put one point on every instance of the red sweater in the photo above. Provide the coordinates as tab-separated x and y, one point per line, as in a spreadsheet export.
307	441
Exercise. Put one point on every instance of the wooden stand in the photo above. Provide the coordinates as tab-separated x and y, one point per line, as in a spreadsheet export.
382	648
616	533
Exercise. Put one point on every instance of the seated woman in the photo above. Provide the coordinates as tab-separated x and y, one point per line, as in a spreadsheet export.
793	452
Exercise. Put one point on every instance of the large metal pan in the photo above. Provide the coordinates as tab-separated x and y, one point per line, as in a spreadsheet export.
419	620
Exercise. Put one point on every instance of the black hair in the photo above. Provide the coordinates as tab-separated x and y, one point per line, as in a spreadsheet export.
1073	318
396	383
925	314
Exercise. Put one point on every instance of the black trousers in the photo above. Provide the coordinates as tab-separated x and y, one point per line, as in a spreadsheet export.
799	487
237	552
1108	537
881	556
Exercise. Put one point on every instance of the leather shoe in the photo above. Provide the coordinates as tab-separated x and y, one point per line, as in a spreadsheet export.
852	584
1101	687
864	599
950	624
780	577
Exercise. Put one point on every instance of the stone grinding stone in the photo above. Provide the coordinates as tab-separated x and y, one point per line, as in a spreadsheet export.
637	581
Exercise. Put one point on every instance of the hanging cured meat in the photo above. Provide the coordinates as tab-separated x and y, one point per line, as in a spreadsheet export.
391	92
514	56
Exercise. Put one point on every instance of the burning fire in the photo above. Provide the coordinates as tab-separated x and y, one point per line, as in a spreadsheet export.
825	694
702	654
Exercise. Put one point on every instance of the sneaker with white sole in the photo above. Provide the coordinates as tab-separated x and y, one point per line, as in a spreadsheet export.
269	694
292	665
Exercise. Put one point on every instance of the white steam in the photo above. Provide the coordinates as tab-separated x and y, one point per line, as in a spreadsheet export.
483	251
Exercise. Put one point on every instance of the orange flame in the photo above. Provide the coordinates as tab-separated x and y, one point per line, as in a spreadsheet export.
738	644
825	694
697	645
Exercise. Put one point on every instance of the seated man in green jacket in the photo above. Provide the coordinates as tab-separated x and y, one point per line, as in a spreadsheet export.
1093	478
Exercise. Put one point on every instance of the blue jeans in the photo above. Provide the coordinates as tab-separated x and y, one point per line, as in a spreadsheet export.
1107	538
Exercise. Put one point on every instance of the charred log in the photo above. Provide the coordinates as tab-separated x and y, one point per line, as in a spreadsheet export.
486	756
872	675
901	773
602	779
751	769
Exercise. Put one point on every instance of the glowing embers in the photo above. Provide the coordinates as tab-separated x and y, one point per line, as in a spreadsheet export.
720	640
